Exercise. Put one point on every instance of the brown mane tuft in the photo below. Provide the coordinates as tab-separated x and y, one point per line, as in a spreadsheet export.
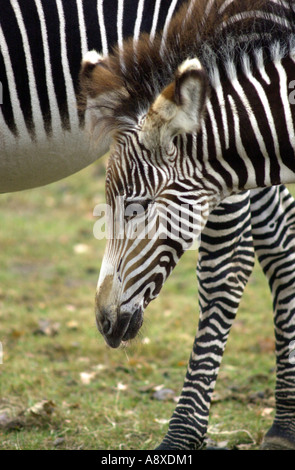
212	30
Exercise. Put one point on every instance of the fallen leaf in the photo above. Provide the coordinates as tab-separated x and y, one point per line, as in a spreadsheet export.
147	388
164	394
158	387
181	363
58	441
222	444
47	328
167	313
72	325
146	340
42	408
71	308
99	367
81	248
267	411
161	421
15	334
87	377
121	386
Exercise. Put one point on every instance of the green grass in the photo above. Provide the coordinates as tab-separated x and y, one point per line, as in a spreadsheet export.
42	276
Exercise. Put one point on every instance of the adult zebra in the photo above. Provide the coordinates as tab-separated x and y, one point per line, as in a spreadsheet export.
141	100
41	44
41	138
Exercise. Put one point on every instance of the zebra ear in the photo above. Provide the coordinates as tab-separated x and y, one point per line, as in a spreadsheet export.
179	108
98	104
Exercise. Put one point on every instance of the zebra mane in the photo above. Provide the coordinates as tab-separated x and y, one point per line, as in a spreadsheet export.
221	33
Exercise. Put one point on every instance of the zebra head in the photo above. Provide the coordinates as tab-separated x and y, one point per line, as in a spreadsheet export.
156	208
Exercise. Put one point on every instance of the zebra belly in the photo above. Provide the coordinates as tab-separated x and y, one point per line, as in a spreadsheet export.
27	163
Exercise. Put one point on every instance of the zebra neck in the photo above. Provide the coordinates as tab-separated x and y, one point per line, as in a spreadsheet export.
247	139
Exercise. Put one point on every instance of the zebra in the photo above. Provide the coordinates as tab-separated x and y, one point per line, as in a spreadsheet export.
197	115
42	43
42	137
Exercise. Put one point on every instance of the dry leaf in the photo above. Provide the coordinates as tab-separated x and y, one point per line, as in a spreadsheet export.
81	248
15	334
146	340
266	411
161	421
121	386
42	408
47	328
181	363
164	394
59	441
99	367
71	308
72	325
87	377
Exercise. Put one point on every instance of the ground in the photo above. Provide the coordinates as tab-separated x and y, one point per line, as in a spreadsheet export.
61	386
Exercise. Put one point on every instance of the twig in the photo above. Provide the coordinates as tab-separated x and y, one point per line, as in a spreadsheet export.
236	431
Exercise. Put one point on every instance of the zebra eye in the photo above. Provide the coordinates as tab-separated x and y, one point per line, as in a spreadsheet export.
136	207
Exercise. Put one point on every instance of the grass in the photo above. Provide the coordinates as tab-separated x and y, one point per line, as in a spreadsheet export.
60	386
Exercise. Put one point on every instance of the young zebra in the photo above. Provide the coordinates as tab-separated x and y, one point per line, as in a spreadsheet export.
191	118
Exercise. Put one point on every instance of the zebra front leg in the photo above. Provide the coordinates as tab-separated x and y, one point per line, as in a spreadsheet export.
226	259
273	222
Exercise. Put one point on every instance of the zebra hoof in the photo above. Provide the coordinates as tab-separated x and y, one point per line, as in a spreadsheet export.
279	438
171	445
164	446
277	443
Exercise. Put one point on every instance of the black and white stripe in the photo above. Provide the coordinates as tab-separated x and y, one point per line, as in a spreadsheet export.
42	43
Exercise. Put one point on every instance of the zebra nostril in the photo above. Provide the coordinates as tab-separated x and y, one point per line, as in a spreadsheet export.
106	327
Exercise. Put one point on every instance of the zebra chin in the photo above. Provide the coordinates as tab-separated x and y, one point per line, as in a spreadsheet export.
119	327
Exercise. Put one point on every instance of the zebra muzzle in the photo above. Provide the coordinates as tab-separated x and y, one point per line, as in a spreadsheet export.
125	327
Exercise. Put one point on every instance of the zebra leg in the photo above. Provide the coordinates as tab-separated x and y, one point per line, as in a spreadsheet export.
273	229
226	259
